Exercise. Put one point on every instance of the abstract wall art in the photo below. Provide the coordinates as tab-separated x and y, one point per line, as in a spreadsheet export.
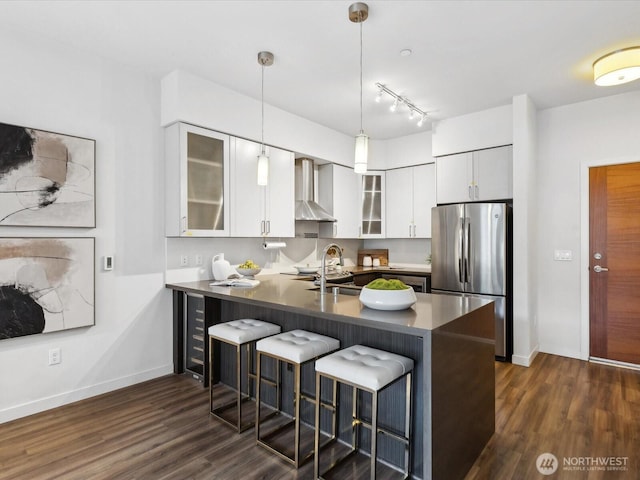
46	285
46	179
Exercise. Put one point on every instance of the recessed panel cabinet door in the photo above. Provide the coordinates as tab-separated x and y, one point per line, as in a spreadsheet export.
280	198
247	197
400	203
454	174
493	174
424	198
261	211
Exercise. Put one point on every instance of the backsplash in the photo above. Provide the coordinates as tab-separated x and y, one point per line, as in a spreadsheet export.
237	250
403	250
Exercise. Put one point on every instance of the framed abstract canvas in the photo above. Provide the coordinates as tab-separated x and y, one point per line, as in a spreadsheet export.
46	179
46	285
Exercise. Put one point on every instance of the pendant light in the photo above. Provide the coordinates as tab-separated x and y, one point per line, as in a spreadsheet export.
358	13
265	59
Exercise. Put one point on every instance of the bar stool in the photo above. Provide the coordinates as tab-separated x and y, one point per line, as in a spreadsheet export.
238	333
297	348
370	370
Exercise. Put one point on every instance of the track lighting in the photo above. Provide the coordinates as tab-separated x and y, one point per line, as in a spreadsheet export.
399	100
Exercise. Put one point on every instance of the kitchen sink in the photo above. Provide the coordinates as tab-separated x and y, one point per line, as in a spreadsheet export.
342	290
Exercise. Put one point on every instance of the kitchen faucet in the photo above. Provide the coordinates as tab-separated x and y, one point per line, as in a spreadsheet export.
323	271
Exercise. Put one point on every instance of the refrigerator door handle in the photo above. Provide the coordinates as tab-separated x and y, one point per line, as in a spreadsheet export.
467	253
461	251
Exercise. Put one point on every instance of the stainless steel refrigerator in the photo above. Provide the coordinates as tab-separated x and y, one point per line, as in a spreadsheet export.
471	255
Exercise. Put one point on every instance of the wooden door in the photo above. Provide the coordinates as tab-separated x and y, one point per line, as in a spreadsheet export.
614	284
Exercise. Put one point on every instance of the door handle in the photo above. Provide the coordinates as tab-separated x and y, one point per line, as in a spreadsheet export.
467	248
599	269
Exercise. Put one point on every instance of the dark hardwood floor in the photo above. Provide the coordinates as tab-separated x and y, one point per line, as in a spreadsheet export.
161	429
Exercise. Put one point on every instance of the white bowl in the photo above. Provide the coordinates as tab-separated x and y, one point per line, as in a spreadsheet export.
306	269
248	272
387	299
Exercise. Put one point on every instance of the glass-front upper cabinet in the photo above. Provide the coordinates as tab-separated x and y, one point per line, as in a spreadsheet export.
372	193
197	181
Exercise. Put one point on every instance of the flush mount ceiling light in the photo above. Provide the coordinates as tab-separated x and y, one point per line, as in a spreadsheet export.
358	13
265	59
400	100
617	67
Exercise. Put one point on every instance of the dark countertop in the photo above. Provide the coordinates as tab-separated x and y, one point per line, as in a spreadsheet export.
287	293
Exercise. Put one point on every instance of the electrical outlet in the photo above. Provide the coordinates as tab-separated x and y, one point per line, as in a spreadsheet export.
198	259
184	260
54	356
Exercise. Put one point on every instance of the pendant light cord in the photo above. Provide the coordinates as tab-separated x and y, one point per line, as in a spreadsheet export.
262	102
361	21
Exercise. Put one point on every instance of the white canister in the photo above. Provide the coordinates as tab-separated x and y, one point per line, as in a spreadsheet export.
367	261
376	262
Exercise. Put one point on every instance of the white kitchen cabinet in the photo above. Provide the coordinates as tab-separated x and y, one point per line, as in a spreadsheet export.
261	211
196	182
372	205
481	175
338	193
409	199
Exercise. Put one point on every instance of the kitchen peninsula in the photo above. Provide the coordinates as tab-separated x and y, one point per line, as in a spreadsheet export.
450	339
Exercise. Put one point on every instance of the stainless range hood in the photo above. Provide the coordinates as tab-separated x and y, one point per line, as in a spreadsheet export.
306	207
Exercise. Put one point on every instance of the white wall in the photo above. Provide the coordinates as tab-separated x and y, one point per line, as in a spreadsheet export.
57	88
600	131
525	328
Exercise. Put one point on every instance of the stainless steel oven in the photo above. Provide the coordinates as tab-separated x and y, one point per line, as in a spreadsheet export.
419	284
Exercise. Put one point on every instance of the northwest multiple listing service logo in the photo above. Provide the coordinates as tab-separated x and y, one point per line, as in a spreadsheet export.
548	464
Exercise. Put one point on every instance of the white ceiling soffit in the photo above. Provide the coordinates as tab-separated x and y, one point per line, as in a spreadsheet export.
467	55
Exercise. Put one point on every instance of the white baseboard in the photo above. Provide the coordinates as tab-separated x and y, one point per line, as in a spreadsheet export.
47	403
562	352
525	360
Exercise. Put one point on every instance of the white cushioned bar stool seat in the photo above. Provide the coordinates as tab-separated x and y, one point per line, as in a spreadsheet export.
371	370
297	348
238	333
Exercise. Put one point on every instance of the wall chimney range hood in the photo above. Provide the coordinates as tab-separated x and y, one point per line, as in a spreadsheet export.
306	208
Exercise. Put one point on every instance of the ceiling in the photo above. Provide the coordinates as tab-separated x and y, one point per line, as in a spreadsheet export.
467	55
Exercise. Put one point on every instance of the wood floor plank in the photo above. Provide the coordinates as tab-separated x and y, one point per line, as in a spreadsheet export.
162	430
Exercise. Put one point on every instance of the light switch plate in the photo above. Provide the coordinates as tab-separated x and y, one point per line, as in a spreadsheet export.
563	255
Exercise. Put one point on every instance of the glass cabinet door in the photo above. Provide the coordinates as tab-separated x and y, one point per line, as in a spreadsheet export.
372	223
196	182
205	183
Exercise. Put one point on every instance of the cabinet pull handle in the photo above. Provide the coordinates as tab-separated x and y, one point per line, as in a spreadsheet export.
360	231
409	229
477	192
414	230
262	227
335	230
184	224
268	226
470	194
